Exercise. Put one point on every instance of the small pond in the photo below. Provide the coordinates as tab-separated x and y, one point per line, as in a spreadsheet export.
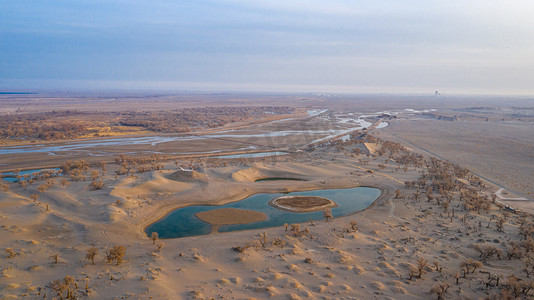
12	177
182	222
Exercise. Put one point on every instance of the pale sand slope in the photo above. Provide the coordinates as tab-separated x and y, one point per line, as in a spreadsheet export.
332	261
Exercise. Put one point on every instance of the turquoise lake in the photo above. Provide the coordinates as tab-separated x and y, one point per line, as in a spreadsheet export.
182	222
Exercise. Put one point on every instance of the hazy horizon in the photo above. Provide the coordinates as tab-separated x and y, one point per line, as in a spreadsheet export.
472	47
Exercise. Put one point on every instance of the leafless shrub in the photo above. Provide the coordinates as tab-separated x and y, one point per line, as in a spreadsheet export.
154	237
295	228
499	223
94	174
97	184
55	258
421	264
42	188
354	225
91	253
279	242
437	266
514	251
327	214
440	289
66	284
263	239
517	287
488	251
469	266
116	253
10	253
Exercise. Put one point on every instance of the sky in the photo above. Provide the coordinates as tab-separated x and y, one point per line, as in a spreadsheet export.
356	46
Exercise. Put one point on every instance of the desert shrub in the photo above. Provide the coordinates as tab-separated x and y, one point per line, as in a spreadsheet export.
263	239
240	249
327	214
440	289
469	266
154	237
10	253
116	253
43	187
279	242
91	253
55	258
66	284
94	174
487	251
421	264
97	184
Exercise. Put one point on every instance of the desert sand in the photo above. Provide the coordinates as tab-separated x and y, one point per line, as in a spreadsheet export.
413	242
333	260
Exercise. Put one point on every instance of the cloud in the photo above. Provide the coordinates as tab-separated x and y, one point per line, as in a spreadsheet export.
388	44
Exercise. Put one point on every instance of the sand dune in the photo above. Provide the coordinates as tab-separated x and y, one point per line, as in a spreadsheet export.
372	258
259	172
184	175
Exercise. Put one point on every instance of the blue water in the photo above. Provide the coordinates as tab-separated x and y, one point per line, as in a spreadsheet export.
252	155
182	221
12	177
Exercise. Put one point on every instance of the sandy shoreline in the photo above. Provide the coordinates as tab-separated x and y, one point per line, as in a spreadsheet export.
310	203
164	211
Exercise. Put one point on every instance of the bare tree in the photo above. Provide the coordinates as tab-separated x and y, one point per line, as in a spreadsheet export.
97	184
440	289
327	214
500	223
116	253
34	197
421	264
437	266
59	287
469	264
295	228
154	237
69	280
91	253
94	174
354	225
55	258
